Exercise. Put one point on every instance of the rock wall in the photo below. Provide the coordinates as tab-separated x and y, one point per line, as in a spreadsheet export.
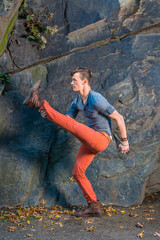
119	41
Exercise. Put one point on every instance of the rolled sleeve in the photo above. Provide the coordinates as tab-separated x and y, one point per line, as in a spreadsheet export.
103	106
73	111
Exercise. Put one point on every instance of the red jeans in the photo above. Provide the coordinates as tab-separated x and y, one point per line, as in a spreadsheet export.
93	142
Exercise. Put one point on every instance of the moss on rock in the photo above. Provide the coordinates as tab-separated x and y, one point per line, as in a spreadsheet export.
39	73
5	37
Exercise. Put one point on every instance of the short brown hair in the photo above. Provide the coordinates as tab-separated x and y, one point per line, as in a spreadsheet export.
84	72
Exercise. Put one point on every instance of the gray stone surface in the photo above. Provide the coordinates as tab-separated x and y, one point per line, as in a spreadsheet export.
6	6
119	41
1	88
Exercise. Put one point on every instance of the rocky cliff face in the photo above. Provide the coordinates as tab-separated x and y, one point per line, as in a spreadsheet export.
120	42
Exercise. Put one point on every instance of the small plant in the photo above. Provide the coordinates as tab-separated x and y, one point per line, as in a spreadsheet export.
4	78
34	26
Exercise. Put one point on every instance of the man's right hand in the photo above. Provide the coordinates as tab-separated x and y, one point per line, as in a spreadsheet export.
43	113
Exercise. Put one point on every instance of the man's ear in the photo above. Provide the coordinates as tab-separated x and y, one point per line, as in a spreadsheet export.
85	81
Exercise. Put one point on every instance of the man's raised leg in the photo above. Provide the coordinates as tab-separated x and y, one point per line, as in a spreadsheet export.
92	139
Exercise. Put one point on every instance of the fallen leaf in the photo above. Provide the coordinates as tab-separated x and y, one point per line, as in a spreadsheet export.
140	235
90	220
156	234
19	224
122	211
132	208
109	214
78	218
51	229
10	207
28	221
54	208
43	201
29	235
133	215
18	42
11	229
103	204
90	229
150	219
156	194
110	211
111	203
71	179
149	195
150	207
60	224
139	225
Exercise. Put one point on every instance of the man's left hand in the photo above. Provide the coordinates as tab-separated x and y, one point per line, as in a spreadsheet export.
43	113
124	149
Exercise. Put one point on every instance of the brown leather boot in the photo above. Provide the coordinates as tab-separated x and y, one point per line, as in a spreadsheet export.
93	210
33	99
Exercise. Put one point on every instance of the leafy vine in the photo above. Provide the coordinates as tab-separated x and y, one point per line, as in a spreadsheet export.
34	25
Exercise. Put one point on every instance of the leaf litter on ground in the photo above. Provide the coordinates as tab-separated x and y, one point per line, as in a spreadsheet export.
21	215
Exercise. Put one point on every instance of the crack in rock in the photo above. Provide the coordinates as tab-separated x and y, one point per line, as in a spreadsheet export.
12	58
90	46
65	3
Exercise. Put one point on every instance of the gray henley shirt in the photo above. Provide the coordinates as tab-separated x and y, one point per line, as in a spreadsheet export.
96	110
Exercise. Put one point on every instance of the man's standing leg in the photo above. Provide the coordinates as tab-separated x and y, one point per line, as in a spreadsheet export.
83	160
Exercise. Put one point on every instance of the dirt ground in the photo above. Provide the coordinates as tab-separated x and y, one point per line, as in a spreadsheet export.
117	223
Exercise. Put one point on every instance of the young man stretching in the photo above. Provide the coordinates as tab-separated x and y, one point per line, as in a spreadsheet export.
94	138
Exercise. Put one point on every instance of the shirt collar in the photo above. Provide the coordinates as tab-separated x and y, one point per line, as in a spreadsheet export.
87	98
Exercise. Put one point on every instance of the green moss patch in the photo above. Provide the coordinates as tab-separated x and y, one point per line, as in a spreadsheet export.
39	73
5	37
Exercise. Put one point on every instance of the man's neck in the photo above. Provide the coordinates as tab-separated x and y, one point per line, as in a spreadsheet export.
84	93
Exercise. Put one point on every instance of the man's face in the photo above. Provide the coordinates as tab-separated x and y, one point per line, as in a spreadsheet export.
77	83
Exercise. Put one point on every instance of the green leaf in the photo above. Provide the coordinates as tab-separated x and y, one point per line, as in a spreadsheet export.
31	37
8	79
32	30
29	18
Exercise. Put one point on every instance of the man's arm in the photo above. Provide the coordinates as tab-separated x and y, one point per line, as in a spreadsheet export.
124	146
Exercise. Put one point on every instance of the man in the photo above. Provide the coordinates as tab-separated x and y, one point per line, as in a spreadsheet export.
94	138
